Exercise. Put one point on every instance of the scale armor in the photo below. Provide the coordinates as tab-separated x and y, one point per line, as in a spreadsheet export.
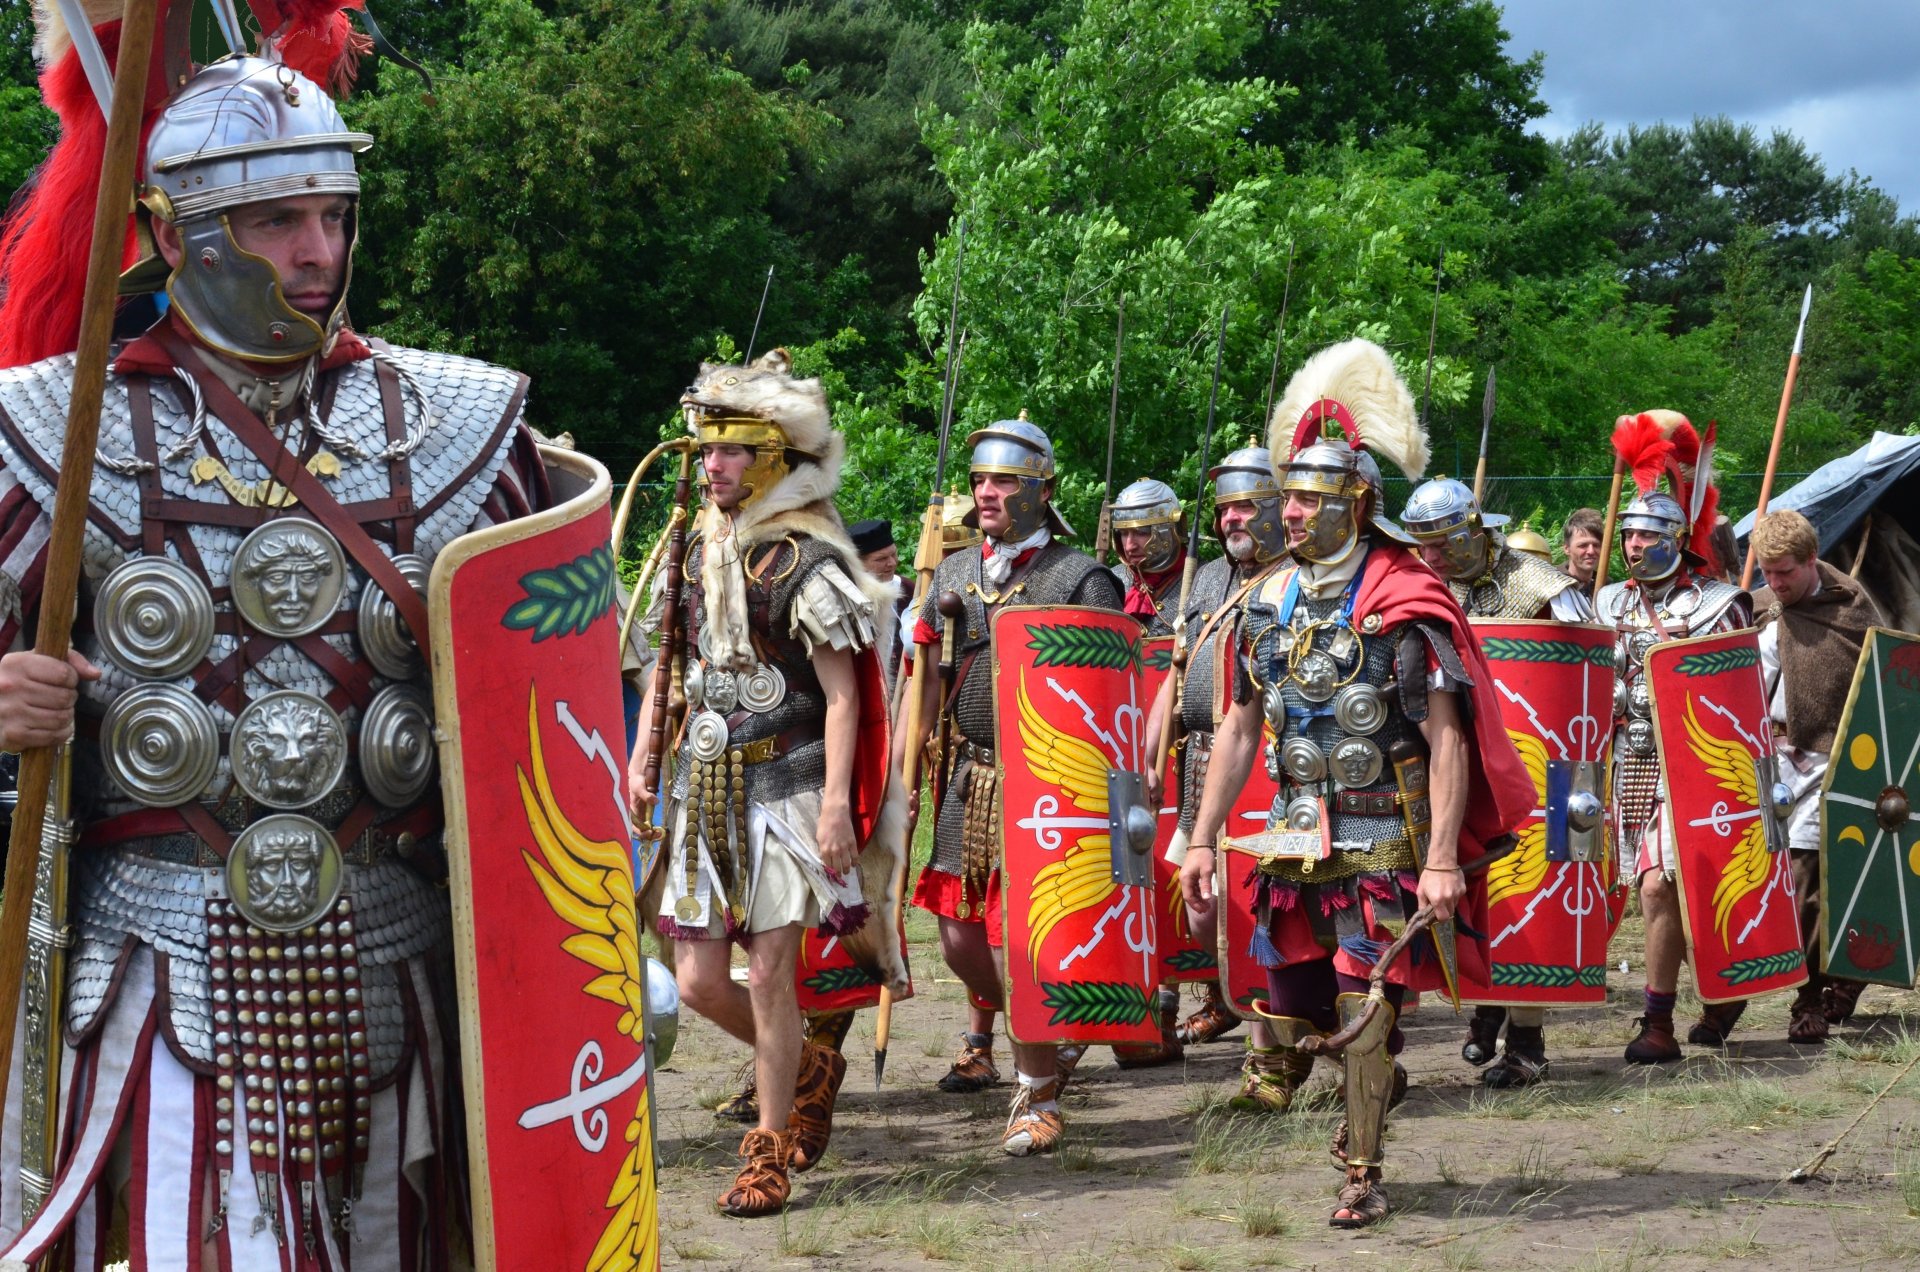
1060	575
1518	586
154	889
1696	607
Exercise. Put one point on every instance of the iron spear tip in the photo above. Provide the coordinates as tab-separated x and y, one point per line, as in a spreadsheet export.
879	1065
1800	332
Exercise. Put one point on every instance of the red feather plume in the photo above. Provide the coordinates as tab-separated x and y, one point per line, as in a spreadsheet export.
316	38
1643	447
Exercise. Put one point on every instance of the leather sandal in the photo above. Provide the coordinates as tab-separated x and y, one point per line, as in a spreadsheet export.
973	1070
744	1104
1809	1025
1522	1063
1032	1131
810	1124
1214	1020
1715	1024
1483	1035
1362	1200
762	1186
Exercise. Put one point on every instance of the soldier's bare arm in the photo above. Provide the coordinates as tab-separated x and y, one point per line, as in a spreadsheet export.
1156	721
37	695
1234	745
835	832
1442	885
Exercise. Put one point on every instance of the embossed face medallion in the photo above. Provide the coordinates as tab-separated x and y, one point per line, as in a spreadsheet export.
1639	643
160	744
763	689
385	637
154	618
284	872
722	690
1640	737
1640	698
288	749
1356	762
1316	676
288	576
396	746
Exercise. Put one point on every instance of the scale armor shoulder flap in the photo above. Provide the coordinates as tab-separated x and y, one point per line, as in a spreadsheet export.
1716	598
1525	586
33	403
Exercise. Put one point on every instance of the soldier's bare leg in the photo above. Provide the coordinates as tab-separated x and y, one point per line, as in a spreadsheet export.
964	946
1203	924
704	970
776	1021
1666	946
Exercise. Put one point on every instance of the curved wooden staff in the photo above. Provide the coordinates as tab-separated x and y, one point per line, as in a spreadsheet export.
60	592
1779	432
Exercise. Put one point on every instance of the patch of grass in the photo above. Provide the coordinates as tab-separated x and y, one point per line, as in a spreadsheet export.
1225	1142
1906	1173
955	1234
695	1250
1260	1217
1077	1157
1444	1167
1530	1102
1188	1258
809	1234
1537	1171
1735	1097
1882	1044
1629	1156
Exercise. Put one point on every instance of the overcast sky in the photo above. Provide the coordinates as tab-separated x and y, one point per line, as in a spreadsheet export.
1843	76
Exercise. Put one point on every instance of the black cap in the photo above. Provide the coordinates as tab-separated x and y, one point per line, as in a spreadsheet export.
870	536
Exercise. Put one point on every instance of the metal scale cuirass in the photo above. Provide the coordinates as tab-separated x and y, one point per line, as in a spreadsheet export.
1689	607
1058	575
1516	586
161	627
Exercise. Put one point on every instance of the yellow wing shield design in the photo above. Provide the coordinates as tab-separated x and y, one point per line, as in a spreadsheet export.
1083	877
1521	872
1730	765
587	883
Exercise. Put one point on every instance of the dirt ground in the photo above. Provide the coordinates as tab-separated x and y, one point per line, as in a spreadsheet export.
1604	1167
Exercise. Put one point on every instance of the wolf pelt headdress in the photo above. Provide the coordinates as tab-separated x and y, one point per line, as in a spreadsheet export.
764	406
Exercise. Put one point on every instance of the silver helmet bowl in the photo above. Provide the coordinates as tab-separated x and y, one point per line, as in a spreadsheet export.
1444	512
246	130
1150	506
1018	448
1246	476
1661	515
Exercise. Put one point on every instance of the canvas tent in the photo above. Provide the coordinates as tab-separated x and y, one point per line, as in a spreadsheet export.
1866	509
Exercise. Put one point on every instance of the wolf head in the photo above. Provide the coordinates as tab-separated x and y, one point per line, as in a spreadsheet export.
797	453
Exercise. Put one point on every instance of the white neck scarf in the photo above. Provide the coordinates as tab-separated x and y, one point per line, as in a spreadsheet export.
998	567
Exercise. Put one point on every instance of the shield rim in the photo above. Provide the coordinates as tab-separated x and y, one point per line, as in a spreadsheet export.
1664	648
598	491
1826	785
1000	776
1612	636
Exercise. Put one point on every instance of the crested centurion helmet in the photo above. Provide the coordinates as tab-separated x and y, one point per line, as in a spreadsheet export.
1246	476
244	130
1443	511
1151	505
1346	404
1657	444
1019	448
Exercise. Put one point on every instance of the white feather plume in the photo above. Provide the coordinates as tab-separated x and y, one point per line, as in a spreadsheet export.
1360	375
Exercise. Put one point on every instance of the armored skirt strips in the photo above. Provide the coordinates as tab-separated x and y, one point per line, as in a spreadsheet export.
252	1049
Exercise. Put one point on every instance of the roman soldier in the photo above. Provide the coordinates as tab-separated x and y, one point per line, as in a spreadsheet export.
1022	561
780	784
1146	526
1670	591
253	773
1247	520
1813	622
1390	780
1492	578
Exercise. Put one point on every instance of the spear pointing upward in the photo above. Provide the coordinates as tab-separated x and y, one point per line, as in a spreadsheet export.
1779	431
60	592
1486	427
1103	535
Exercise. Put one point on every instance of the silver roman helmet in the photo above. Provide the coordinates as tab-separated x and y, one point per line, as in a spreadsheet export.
244	130
1444	511
1655	512
1019	448
1343	406
1246	476
1151	505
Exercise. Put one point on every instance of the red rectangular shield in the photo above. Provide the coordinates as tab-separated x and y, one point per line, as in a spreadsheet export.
827	980
1080	948
552	986
1182	958
1547	911
1736	898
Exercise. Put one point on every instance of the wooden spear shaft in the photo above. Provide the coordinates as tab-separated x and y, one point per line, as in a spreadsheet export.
1606	532
1779	432
60	593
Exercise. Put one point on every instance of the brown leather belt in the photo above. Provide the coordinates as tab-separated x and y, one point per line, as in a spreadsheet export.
760	750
